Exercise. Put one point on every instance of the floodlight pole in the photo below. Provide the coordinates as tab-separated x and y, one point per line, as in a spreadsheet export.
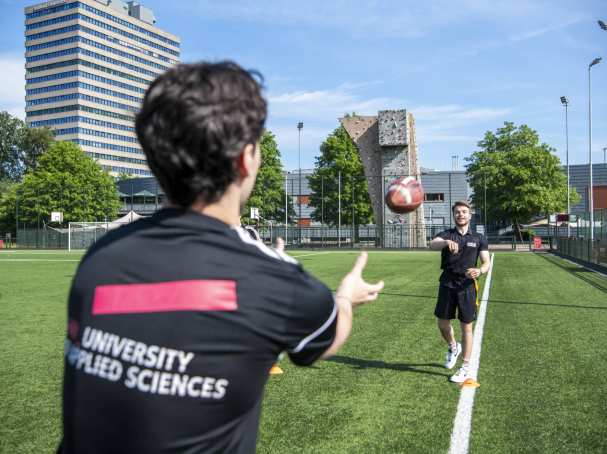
286	209
590	195
299	128
565	102
485	201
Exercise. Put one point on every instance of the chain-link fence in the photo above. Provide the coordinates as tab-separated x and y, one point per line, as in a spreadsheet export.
589	251
75	236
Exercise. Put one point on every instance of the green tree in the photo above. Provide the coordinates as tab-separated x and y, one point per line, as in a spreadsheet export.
124	176
66	180
33	143
268	194
20	146
340	155
11	162
523	177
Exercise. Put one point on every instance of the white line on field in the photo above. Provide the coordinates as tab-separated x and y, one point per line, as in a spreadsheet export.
39	252
460	437
358	251
307	255
39	260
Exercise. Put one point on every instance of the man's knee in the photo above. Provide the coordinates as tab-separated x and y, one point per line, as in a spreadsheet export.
443	324
466	328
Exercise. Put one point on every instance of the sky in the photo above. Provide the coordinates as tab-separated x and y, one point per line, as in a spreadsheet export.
461	67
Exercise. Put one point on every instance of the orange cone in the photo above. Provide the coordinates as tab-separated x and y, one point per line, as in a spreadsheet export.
470	383
275	370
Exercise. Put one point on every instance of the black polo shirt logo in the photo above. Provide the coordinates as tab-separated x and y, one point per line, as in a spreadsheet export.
471	244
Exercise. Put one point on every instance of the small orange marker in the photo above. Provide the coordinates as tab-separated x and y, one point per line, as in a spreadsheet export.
470	383
275	370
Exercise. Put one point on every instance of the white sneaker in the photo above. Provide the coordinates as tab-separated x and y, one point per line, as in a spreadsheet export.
460	376
451	358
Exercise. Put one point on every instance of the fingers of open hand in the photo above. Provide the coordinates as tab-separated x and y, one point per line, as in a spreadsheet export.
368	292
373	290
361	262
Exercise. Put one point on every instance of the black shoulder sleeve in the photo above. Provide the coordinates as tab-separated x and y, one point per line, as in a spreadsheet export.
312	320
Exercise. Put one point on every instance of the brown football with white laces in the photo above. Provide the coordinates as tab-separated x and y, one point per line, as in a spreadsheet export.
405	194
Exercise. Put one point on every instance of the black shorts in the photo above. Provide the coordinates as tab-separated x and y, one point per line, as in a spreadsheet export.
464	299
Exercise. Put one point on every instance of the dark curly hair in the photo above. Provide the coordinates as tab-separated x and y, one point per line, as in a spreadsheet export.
194	122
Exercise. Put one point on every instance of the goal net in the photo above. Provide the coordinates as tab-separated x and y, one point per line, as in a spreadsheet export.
81	235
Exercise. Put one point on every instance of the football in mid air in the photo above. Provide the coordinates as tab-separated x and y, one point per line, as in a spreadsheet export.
405	194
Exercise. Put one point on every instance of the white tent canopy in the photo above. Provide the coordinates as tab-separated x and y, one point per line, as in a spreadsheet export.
129	217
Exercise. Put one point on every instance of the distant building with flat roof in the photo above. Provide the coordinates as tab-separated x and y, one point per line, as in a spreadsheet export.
88	64
579	178
442	188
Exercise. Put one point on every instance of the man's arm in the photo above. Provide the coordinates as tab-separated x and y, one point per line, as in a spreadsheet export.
439	243
485	262
353	291
484	268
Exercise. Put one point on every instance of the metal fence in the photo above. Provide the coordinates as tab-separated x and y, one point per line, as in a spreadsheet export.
51	238
399	236
390	236
590	251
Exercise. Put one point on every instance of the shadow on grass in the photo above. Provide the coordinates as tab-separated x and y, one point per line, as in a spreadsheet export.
492	300
358	363
577	271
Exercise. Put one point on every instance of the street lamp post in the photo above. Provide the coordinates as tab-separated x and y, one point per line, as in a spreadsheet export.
565	102
485	203
299	128
590	195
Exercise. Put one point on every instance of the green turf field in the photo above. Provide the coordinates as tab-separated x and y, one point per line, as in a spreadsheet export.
543	366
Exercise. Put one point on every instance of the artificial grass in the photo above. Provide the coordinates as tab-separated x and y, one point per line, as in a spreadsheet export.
542	371
33	297
544	363
386	391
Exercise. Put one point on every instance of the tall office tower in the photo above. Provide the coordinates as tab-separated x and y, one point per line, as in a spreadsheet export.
88	64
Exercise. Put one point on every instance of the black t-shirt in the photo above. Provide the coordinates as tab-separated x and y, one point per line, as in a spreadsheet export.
454	266
173	324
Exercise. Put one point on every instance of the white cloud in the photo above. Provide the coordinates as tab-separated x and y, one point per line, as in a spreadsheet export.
329	104
543	30
320	110
12	88
453	123
454	114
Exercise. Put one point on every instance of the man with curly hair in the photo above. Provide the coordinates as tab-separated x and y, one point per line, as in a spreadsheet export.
175	320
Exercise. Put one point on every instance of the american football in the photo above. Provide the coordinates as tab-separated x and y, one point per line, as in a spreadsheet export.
405	194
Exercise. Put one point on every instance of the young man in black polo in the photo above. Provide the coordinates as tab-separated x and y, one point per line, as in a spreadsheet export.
460	249
175	320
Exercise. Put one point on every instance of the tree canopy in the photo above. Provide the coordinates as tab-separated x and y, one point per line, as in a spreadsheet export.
523	177
65	179
20	147
339	156
268	194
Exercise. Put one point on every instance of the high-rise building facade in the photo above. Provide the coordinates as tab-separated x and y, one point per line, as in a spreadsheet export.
88	64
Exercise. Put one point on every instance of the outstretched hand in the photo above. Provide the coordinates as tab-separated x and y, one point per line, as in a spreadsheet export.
354	287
